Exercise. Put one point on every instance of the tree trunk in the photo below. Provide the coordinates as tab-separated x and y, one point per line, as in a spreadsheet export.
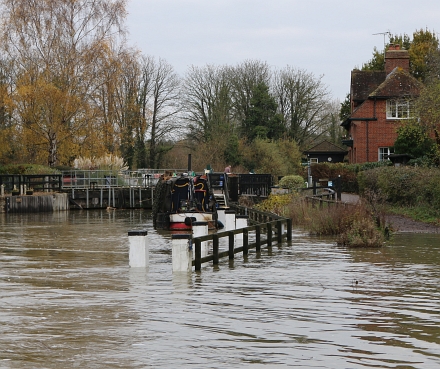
52	158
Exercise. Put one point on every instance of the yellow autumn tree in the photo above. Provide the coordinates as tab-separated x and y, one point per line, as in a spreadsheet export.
54	49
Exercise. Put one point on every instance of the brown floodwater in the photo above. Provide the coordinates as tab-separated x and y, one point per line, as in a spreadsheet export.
68	299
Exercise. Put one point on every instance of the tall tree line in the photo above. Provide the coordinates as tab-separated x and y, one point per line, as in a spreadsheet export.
71	86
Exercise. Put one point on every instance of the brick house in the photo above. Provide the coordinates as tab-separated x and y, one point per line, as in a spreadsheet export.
380	100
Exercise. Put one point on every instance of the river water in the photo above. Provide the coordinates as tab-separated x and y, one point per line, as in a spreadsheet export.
69	300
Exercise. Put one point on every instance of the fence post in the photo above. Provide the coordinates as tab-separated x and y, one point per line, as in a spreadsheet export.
257	238
215	245
231	245
289	229
182	252
279	231
198	254
138	253
269	234
245	241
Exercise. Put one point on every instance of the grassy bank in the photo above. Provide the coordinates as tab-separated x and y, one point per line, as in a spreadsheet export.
410	191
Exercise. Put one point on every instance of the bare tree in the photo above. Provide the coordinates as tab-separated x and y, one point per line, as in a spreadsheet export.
207	104
159	97
302	100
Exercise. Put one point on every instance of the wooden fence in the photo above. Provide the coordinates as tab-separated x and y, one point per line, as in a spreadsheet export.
268	229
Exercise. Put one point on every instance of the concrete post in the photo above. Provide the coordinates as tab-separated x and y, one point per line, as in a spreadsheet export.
241	221
182	252
200	229
229	220
2	191
221	217
139	256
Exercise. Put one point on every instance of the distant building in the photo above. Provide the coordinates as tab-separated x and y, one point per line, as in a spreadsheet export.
380	100
325	152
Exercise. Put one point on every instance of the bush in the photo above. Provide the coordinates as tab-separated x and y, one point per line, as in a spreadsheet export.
405	186
362	232
276	204
27	169
292	182
347	173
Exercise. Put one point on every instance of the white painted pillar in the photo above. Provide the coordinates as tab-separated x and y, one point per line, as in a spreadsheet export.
221	217
138	254
229	220
200	229
2	191
241	221
182	252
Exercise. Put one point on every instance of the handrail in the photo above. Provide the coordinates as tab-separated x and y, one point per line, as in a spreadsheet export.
232	250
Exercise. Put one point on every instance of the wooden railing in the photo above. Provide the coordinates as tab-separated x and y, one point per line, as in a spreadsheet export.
268	229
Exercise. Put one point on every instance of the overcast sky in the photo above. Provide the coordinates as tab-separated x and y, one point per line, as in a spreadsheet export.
325	37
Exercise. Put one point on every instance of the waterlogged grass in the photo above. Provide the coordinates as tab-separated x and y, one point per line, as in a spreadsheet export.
420	213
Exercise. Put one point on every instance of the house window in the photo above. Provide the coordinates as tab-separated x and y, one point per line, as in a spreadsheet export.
313	160
384	152
399	109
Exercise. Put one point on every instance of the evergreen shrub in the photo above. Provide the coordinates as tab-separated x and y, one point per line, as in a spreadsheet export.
292	182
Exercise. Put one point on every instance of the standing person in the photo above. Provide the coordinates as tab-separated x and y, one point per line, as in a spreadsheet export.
228	169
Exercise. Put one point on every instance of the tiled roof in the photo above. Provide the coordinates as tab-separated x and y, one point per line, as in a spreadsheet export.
364	82
325	147
398	83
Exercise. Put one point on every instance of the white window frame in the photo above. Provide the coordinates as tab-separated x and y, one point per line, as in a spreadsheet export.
399	109
313	160
383	151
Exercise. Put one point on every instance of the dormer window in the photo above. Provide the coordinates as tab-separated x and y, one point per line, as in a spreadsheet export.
399	109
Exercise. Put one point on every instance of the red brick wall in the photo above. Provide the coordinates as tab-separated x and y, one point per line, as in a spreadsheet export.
381	132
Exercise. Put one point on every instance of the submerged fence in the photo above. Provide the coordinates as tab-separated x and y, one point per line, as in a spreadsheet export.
265	233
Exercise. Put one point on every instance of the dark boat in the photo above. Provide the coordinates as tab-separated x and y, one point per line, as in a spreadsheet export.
181	200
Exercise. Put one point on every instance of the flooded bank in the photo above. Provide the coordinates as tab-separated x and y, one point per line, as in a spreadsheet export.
69	299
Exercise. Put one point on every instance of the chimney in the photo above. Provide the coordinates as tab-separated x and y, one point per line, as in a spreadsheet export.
396	57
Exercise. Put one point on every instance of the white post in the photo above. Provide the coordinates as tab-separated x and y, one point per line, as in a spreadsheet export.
2	193
182	252
230	220
221	217
241	221
200	229
138	254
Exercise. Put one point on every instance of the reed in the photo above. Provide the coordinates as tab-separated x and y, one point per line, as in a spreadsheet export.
355	226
